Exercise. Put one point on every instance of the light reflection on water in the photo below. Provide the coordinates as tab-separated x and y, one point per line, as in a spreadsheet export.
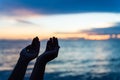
82	57
75	57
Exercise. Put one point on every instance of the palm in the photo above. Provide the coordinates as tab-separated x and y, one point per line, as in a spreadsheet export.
52	49
31	51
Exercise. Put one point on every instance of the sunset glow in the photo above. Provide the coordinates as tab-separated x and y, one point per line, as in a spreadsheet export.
87	36
46	26
97	37
27	19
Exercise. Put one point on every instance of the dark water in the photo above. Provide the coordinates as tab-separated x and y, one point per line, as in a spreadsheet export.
77	60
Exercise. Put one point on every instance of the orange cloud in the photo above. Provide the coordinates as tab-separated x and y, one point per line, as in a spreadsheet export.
97	37
86	36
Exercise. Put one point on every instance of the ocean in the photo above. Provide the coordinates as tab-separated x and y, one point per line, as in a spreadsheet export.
77	60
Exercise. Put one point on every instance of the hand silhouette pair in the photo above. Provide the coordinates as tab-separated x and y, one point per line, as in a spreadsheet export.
31	52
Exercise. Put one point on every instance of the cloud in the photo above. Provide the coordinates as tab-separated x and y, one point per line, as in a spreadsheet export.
109	30
24	22
60	6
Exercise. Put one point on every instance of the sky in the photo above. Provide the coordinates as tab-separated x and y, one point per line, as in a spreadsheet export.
25	19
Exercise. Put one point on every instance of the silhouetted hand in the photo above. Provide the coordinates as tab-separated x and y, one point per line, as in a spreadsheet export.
31	51
51	51
26	55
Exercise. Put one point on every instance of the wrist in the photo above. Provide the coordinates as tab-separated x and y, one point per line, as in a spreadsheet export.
41	60
23	59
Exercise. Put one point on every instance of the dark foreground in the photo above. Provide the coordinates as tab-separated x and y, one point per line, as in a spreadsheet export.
55	76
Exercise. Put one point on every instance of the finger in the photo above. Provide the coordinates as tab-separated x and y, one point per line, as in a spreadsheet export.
51	44
48	42
48	45
36	43
51	40
33	42
56	42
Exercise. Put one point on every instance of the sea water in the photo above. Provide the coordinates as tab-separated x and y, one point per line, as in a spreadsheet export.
77	60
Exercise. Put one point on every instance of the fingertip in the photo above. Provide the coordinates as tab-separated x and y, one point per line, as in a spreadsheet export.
35	42
53	37
56	41
37	38
34	38
50	38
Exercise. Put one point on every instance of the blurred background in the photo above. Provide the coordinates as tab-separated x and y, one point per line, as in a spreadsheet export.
88	32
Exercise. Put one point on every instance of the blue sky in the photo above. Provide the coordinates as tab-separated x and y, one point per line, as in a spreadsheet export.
61	6
30	17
